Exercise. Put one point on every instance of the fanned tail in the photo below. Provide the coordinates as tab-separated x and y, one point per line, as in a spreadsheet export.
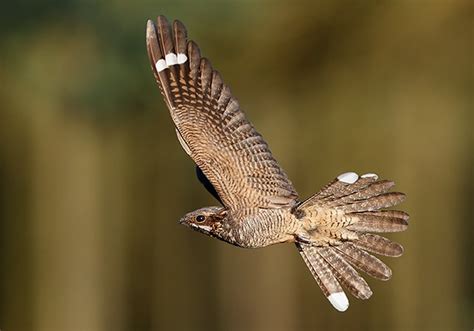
340	221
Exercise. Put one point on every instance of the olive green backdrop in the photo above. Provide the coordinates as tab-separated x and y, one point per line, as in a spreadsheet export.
93	180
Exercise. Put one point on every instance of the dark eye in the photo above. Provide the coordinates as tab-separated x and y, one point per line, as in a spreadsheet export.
200	218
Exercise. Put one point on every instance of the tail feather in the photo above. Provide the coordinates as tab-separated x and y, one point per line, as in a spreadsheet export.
389	213
371	190
339	188
379	245
345	273
365	261
340	221
324	276
367	222
385	200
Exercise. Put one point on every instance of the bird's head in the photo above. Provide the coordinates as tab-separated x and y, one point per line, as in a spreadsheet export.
208	220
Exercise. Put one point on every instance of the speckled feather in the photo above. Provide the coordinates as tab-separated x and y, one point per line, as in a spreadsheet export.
333	230
216	133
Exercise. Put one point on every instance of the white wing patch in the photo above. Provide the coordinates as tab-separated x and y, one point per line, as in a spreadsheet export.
170	59
160	65
182	58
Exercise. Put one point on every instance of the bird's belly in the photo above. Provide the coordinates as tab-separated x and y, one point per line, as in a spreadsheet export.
267	227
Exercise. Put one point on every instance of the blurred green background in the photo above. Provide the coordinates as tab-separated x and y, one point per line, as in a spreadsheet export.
93	180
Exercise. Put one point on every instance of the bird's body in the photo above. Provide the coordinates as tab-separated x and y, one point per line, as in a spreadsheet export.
254	228
333	230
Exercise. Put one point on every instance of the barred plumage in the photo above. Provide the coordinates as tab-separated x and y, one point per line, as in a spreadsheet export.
365	261
333	230
344	212
324	276
345	273
211	126
378	245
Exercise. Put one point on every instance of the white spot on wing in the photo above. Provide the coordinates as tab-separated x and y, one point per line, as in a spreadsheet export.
370	175
182	58
348	177
339	301
161	65
171	59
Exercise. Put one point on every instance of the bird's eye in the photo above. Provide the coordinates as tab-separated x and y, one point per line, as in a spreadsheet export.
200	218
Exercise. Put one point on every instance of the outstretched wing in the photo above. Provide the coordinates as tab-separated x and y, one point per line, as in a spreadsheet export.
207	184
210	125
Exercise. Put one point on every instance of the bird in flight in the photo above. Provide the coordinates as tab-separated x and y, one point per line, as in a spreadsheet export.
335	230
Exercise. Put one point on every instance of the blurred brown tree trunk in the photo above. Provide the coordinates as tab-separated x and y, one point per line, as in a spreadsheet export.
67	247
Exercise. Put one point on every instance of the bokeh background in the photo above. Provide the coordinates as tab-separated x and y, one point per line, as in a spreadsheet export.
93	180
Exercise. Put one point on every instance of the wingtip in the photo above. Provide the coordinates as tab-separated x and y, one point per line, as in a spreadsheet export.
339	301
150	29
179	24
162	20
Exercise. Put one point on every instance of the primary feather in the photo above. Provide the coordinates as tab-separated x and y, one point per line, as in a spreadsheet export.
334	230
210	125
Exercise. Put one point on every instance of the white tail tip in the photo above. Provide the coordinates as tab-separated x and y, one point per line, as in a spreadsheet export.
348	177
339	301
370	176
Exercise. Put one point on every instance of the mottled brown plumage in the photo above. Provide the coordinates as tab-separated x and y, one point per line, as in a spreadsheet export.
332	229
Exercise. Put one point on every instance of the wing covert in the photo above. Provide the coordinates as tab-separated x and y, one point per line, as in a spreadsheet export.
210	125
